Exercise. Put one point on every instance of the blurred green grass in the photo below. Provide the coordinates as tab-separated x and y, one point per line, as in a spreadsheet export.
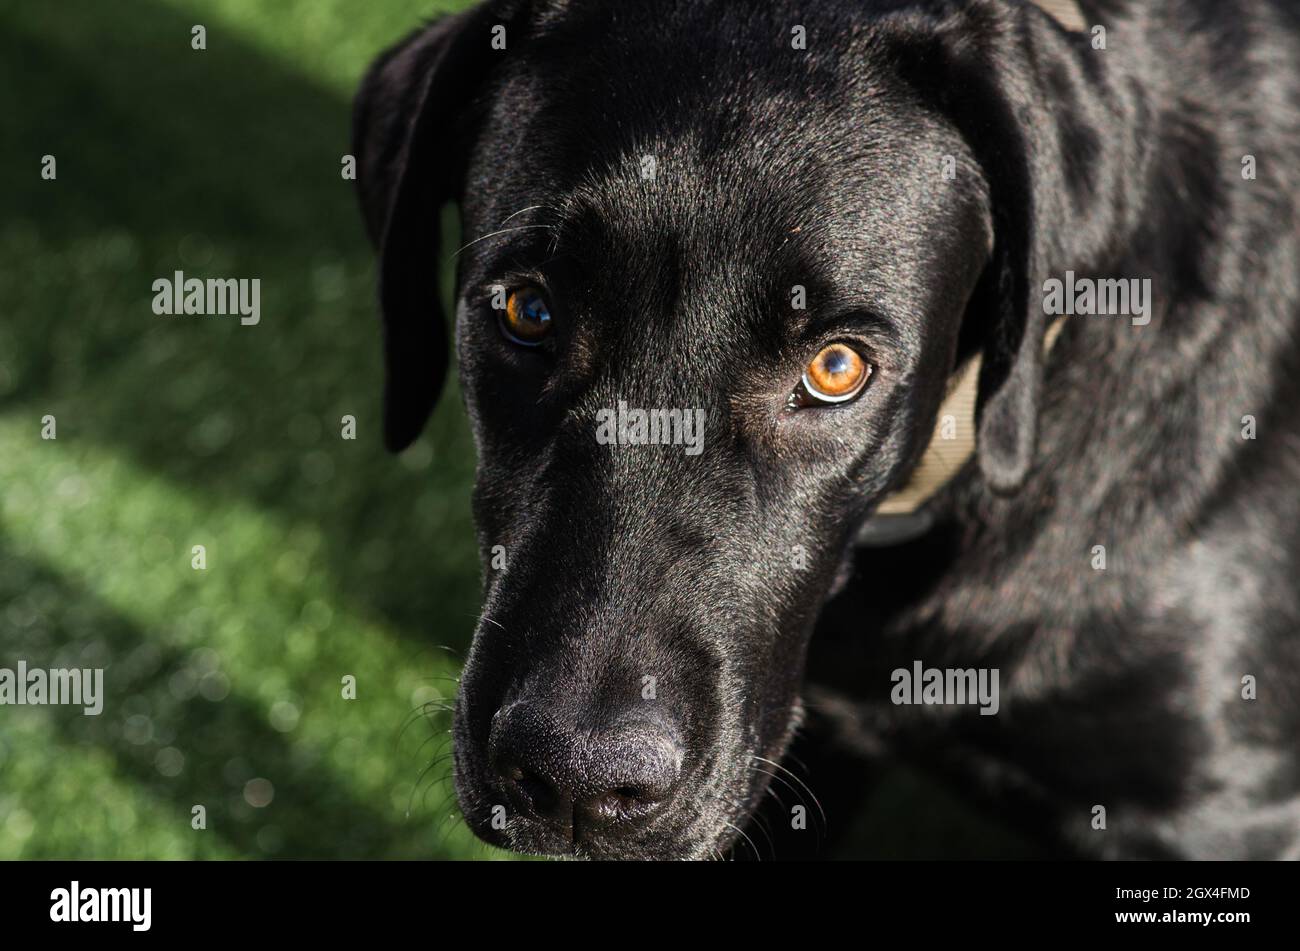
326	557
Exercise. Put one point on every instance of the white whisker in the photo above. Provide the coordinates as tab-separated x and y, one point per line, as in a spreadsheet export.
493	234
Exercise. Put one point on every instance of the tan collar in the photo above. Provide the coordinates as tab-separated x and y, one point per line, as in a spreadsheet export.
951	444
1064	12
953	440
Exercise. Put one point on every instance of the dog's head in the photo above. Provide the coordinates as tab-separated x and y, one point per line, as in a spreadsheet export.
774	235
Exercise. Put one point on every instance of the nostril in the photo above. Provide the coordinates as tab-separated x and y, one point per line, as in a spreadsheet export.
619	804
540	793
607	808
630	801
535	791
622	801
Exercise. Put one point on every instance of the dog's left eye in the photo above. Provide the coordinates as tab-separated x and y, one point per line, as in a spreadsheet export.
527	317
836	375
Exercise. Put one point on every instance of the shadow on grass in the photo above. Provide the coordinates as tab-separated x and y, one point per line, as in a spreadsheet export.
174	731
217	163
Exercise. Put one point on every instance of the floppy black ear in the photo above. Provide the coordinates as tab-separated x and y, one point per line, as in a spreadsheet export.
412	126
1029	97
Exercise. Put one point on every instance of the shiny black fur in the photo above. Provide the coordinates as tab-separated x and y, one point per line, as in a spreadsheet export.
823	168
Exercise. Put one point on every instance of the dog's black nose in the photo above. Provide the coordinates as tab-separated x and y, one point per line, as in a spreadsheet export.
584	783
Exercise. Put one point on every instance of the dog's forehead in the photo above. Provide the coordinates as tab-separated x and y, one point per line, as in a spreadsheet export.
796	161
716	158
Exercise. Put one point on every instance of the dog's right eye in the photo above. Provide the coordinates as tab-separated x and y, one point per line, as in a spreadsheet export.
526	319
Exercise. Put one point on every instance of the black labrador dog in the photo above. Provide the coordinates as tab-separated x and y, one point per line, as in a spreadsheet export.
725	264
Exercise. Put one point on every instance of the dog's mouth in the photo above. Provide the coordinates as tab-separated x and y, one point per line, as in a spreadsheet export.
626	793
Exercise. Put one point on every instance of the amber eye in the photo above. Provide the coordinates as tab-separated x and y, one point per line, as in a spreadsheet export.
836	375
527	318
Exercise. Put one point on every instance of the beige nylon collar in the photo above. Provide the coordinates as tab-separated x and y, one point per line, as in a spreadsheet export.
953	441
1064	12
